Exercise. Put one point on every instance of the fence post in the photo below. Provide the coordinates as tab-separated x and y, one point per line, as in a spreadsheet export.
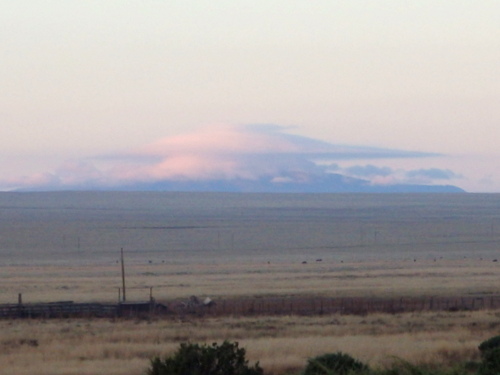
19	304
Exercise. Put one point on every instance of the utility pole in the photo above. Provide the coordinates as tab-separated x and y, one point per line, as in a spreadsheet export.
123	276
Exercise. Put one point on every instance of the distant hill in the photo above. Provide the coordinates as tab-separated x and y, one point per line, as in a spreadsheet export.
331	183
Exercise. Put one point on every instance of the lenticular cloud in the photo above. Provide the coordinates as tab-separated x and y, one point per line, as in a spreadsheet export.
220	152
213	153
229	152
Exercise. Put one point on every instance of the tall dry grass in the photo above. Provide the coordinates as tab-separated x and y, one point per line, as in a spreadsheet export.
281	344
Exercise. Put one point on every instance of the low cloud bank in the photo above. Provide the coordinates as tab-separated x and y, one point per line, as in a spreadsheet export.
388	176
234	158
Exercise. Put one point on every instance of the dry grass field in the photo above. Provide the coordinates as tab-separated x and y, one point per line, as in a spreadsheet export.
281	344
82	283
65	246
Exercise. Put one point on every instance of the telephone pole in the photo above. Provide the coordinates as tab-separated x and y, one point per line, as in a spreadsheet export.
123	276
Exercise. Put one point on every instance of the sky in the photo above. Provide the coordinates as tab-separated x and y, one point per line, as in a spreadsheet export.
100	93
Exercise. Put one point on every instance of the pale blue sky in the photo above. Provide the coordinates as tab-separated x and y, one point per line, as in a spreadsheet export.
84	78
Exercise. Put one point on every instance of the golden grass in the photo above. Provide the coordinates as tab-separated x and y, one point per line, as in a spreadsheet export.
281	344
169	281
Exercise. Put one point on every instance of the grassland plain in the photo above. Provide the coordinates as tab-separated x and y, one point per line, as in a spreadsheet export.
65	246
82	228
281	344
466	277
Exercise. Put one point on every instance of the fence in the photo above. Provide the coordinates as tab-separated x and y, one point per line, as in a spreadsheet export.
251	306
57	310
69	309
360	306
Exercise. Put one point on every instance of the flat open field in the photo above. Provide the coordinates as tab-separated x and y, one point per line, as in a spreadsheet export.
66	246
394	279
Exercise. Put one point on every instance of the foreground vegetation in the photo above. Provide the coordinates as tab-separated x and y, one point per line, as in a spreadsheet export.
229	359
281	344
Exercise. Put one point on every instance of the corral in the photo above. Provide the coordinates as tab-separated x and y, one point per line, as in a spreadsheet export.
70	309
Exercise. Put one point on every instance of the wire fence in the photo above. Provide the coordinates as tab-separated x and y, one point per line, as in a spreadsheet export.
358	306
251	306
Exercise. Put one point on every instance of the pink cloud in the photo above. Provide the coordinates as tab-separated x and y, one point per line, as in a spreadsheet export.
37	179
218	152
213	153
221	139
178	167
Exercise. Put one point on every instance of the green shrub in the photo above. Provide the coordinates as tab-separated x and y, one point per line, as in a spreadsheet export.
334	364
402	367
194	359
490	344
491	362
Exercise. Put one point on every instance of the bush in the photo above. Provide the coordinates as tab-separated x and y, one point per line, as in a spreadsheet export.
491	362
334	364
490	344
402	367
194	359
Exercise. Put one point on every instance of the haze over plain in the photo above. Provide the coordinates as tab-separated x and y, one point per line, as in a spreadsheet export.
97	92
